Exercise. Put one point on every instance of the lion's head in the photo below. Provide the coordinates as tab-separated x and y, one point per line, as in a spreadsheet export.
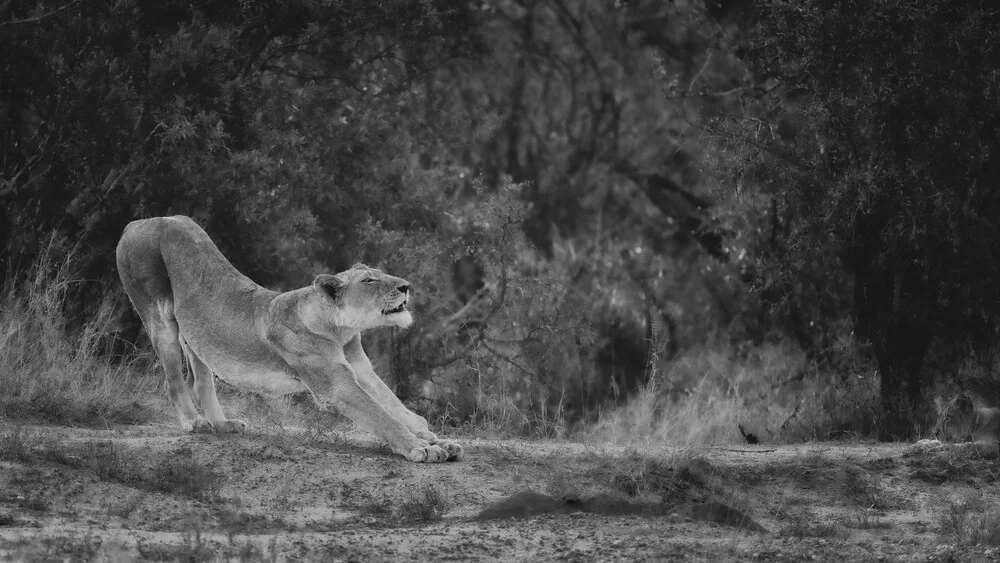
956	417
366	298
966	417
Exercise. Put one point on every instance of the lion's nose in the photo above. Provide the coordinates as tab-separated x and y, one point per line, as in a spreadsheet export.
405	288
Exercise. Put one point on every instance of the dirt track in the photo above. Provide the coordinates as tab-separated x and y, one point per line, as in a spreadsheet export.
116	495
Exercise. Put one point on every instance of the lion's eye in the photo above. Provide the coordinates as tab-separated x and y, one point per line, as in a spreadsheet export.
368	280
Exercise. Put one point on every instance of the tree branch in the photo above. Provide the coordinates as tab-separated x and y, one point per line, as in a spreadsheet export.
41	17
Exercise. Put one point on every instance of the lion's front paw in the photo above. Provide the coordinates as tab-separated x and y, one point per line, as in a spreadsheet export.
202	425
454	449
231	426
427	436
427	454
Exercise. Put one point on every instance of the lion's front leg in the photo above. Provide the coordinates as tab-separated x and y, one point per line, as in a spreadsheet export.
416	424
353	401
372	383
335	383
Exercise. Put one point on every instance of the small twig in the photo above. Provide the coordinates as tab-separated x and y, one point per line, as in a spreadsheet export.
458	317
790	417
708	93
41	17
695	78
506	359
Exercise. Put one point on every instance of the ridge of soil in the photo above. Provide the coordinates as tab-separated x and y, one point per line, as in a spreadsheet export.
153	492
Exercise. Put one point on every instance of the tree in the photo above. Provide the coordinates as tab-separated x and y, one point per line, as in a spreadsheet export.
879	150
238	114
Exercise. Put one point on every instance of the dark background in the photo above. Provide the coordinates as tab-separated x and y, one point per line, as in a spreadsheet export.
581	192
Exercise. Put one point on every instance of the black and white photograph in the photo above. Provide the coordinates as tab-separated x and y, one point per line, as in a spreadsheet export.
499	280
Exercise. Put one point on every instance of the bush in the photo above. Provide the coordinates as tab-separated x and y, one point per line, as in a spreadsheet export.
514	355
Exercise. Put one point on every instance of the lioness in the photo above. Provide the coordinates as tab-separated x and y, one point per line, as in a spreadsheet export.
195	304
967	420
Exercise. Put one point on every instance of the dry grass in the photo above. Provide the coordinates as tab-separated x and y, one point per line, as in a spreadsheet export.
51	372
15	443
865	519
124	505
68	547
803	523
199	546
111	463
425	505
869	492
774	392
971	520
178	474
677	480
184	475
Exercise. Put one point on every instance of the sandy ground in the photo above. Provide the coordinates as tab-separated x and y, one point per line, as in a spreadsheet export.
154	492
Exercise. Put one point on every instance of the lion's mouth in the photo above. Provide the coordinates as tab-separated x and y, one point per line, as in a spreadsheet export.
394	310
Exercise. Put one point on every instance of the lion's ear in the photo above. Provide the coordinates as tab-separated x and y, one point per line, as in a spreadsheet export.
330	284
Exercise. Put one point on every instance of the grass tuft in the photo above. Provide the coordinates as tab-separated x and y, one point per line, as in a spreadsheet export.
379	506
972	521
53	372
111	464
679	481
186	476
180	474
15	444
123	506
870	520
425	505
868	492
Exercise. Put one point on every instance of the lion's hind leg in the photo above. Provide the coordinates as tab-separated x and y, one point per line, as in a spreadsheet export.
165	334
204	390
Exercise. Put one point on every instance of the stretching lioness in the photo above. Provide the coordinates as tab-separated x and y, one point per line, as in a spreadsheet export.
195	304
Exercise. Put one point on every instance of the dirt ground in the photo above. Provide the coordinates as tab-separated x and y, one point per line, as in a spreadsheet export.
154	492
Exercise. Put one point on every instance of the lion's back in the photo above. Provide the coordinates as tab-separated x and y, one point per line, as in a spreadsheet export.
161	258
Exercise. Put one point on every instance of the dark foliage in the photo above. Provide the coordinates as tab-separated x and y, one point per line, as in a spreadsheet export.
578	190
880	156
